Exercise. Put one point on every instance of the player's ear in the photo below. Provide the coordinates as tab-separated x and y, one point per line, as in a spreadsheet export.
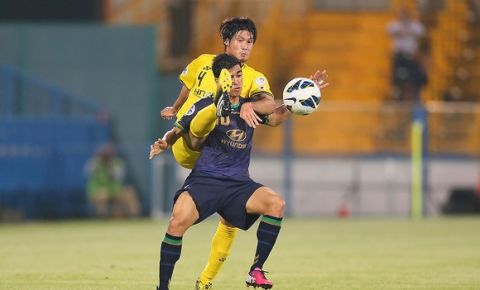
226	42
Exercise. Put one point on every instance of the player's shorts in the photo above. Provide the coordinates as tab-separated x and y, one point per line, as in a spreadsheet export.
223	195
184	156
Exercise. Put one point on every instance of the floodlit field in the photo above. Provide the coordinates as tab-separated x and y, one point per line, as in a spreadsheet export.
310	254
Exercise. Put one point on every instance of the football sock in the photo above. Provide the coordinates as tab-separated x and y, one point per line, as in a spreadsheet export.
221	243
267	234
204	122
169	254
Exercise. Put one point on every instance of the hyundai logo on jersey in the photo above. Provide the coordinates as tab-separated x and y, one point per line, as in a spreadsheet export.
236	135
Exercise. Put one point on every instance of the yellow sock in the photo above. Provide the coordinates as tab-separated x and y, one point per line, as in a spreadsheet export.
221	243
204	122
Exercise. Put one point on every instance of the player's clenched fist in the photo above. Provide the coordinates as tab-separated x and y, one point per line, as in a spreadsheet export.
168	113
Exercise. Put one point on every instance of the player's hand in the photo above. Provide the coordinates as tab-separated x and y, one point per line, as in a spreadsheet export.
168	113
248	115
158	147
320	78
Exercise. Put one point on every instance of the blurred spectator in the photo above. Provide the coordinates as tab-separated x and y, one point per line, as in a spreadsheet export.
107	192
408	72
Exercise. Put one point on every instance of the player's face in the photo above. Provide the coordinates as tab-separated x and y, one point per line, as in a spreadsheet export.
237	79
240	46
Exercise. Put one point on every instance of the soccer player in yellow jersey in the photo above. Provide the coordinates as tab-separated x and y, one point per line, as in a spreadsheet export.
239	35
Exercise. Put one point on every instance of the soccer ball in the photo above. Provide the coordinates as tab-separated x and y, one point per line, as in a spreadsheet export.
301	96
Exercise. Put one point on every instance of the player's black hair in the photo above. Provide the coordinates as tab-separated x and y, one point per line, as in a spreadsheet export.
232	25
222	61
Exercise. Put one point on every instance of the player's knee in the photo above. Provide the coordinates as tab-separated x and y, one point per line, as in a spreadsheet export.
178	225
276	205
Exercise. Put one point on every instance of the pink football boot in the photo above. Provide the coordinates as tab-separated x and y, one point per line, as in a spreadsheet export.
256	278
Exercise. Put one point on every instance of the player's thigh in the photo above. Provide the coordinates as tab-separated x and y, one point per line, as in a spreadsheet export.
263	200
184	213
184	156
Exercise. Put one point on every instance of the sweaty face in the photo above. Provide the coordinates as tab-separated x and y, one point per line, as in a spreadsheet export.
240	46
237	79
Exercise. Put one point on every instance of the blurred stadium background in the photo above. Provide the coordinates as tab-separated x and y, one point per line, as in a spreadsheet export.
74	74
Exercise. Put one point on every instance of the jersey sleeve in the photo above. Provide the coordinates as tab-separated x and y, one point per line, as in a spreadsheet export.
184	122
188	75
259	85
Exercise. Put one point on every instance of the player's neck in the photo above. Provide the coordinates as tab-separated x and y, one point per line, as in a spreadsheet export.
234	100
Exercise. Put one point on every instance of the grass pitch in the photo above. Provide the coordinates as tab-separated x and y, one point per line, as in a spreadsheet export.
315	254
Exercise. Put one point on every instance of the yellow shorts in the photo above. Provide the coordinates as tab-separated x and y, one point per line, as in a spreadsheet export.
184	156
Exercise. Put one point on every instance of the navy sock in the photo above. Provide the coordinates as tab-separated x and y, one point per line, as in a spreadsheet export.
169	254
267	234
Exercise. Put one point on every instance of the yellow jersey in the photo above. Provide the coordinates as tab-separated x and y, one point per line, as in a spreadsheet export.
199	79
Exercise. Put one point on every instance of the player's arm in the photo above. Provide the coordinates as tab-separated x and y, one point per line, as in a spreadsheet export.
279	115
188	78
170	112
165	142
263	104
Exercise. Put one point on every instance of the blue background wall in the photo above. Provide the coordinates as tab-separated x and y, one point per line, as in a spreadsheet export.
115	66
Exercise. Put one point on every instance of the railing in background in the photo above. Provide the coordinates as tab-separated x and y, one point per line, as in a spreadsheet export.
369	128
46	136
454	128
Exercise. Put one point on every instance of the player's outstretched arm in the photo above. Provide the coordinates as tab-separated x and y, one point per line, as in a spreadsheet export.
264	104
279	115
165	142
170	112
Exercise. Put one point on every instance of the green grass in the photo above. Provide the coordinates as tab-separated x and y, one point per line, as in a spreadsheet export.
310	254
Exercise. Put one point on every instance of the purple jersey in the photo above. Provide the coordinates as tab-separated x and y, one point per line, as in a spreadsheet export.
226	151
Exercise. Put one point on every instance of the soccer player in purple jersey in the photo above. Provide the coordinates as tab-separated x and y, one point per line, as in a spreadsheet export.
220	183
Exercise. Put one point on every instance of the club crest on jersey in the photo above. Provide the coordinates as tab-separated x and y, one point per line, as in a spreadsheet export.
236	135
261	81
191	110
